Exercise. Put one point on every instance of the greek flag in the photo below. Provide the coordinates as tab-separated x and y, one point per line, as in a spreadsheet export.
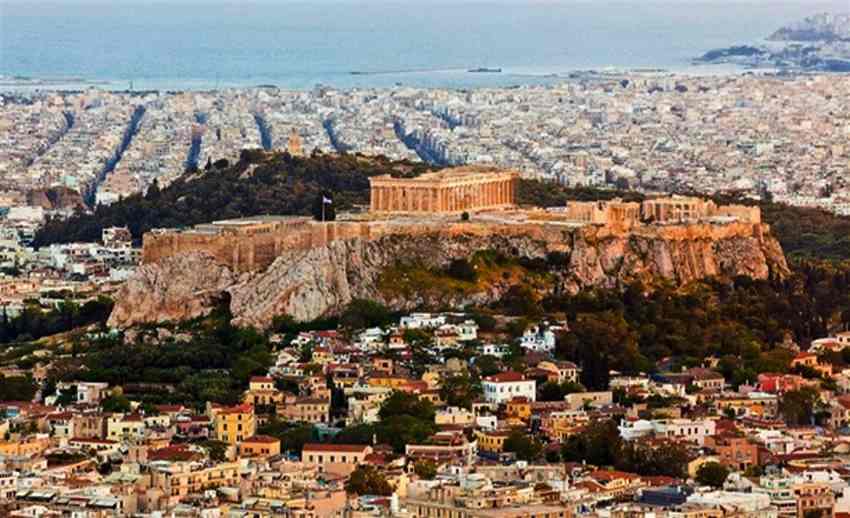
326	201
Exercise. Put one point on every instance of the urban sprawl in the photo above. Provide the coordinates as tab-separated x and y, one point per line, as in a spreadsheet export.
506	429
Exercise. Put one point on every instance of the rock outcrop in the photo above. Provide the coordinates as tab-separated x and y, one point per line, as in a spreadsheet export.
184	287
308	284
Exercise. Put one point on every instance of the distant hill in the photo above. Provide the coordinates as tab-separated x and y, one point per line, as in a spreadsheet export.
820	27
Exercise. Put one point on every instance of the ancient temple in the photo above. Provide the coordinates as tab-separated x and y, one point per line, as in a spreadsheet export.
456	190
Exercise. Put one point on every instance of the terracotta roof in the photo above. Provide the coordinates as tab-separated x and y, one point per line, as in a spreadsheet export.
176	452
261	379
601	475
349	448
590	485
238	409
266	439
505	377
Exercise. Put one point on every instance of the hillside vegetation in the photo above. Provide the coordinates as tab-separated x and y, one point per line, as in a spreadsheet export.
277	183
259	183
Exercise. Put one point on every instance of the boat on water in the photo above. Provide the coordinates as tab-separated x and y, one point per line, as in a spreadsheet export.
485	70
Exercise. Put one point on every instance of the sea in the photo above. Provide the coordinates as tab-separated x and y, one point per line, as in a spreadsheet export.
199	45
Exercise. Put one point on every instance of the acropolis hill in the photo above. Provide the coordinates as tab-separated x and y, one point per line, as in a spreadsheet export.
272	265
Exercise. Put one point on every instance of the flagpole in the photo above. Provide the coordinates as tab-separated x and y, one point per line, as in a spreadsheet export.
323	208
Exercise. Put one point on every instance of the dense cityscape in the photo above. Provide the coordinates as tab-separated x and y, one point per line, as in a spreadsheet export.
606	294
763	135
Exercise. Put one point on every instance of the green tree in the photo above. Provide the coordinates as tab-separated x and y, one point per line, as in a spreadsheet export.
487	365
460	390
401	430
798	406
402	403
425	469
366	480
712	474
17	388
653	459
361	314
524	446
598	444
115	404
292	437
357	434
551	391
217	450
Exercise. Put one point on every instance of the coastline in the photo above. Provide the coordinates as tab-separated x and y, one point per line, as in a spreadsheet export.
452	79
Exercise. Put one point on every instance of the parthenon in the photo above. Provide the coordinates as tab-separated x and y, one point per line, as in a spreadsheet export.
461	189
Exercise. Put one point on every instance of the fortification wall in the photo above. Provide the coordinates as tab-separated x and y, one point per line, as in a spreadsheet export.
250	252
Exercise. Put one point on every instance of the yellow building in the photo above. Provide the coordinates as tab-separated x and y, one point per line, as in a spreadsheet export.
307	410
262	392
322	355
130	427
180	479
519	408
234	424
25	447
259	446
388	381
491	442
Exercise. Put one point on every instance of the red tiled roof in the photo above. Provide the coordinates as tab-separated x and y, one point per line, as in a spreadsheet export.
348	448
590	485
238	409
173	453
266	439
606	476
505	377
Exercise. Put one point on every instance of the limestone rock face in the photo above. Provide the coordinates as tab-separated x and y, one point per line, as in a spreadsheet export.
308	284
178	288
322	281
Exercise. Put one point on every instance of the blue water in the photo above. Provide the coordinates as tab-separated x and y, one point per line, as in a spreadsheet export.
204	44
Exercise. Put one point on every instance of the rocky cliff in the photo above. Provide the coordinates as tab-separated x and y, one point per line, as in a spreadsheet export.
308	284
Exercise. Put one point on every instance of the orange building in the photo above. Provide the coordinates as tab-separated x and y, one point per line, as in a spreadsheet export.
259	446
234	424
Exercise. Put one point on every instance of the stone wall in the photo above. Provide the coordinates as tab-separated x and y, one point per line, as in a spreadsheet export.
245	251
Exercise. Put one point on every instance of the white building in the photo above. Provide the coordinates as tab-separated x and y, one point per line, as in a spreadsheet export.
540	338
422	321
740	504
497	350
503	387
694	430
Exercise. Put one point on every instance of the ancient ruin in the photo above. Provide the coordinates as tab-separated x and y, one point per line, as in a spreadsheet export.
661	210
457	190
432	203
